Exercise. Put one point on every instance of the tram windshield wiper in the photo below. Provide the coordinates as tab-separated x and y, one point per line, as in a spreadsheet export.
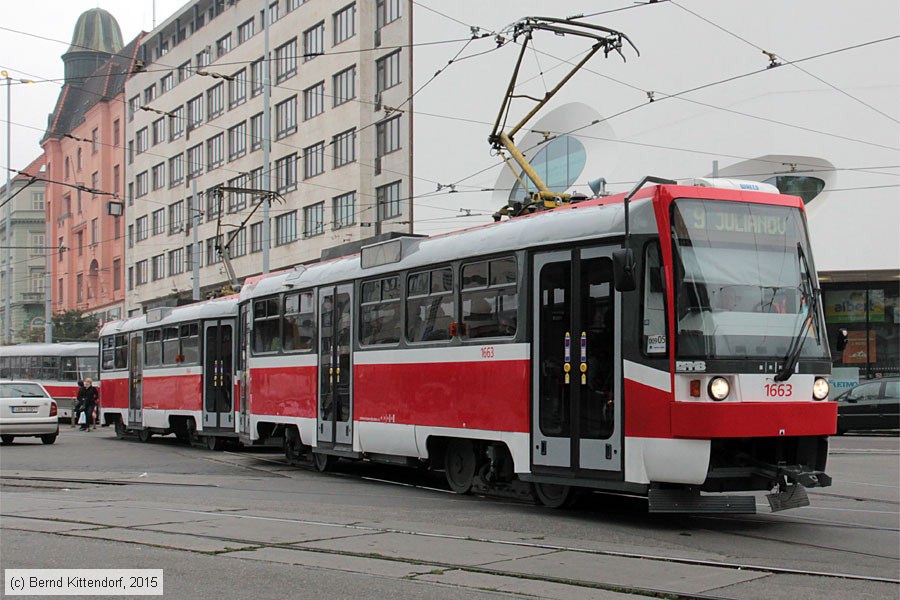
811	297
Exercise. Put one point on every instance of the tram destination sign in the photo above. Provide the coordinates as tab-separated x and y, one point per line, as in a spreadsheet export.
736	218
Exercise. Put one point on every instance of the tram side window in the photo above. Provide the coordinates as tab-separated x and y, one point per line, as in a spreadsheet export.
379	315
50	368
171	347
654	321
490	299
4	367
299	329
153	348
429	305
121	352
190	344
108	353
87	367
69	368
266	319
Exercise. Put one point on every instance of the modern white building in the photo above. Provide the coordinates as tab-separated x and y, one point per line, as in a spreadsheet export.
337	78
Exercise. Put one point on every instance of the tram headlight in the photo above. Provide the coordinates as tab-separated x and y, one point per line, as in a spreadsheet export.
719	388
820	388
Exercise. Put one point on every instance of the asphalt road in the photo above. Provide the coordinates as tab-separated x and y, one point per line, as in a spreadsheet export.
244	524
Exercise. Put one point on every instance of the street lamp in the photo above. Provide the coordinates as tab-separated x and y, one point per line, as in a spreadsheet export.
7	316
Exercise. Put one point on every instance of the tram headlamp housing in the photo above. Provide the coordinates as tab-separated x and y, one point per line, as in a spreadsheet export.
718	388
820	388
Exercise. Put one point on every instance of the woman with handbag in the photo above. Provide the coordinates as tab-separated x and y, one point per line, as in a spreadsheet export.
91	398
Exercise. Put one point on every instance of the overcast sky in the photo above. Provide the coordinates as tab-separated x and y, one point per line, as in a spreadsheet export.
31	46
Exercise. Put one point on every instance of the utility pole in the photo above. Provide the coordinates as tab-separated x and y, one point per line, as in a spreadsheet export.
266	141
7	312
195	254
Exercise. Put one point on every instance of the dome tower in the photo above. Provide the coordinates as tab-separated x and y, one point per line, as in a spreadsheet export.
96	37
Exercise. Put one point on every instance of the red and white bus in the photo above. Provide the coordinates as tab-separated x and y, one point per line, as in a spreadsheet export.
666	346
172	371
58	367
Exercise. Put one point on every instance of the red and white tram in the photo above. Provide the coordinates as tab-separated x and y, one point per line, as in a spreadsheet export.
666	346
172	371
58	367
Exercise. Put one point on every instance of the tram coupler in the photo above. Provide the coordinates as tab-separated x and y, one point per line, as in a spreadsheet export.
794	480
790	496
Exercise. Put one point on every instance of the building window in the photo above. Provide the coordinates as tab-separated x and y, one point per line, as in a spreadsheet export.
134	104
176	217
286	117
116	179
158	265
213	204
344	24
256	77
273	13
95	140
314	101
149	94
184	71
158	221
237	141
141	225
158	176
238	244
223	46
79	288
176	170
313	160
286	61
141	183
286	228
159	131
95	231
387	71
215	101
141	138
117	274
387	136
215	152
167	83
203	58
237	201
387	197
176	123
314	41
130	154
95	183
294	4
256	237
116	133
286	173
195	161
213	250
237	89
195	112
256	131
176	261
344	86
343	148
386	11
37	244
314	220
37	200
344	210
245	31
141	272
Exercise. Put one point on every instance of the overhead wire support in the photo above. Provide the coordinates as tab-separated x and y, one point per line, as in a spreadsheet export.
605	39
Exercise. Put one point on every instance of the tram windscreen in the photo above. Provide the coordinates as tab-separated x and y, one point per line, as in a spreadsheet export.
743	286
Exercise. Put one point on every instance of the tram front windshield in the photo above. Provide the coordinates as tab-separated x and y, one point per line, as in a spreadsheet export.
744	285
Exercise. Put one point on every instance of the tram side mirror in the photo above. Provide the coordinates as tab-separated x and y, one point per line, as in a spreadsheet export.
623	270
842	339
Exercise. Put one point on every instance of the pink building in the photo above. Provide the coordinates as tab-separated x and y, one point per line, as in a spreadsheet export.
85	152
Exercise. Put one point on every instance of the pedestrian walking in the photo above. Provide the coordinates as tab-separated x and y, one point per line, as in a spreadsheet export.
78	403
91	402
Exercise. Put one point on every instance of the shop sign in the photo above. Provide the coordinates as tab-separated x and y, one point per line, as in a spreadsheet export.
849	306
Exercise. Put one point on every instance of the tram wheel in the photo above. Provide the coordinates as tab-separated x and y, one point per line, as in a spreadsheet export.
324	462
7	439
459	466
293	449
121	429
144	435
553	495
214	443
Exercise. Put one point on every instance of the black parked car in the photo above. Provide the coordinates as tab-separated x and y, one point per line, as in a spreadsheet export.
870	405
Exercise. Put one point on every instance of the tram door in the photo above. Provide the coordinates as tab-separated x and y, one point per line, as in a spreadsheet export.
136	379
244	367
335	415
218	371
577	407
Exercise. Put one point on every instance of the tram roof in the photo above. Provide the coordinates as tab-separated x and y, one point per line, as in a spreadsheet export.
207	309
55	349
589	220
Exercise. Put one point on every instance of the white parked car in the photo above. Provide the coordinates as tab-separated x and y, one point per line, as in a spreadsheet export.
27	410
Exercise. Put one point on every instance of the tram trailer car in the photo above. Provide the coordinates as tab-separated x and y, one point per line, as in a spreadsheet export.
172	371
680	357
58	367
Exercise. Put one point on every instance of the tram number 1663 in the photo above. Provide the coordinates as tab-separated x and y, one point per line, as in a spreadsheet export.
779	390
487	352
